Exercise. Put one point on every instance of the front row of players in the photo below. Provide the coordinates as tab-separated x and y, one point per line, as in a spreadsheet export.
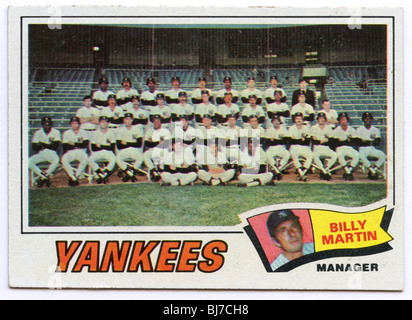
215	156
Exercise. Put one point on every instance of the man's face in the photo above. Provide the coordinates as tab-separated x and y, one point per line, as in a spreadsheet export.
254	123
252	101
103	124
228	84
276	123
232	121
160	101
326	105
103	86
205	98
175	84
128	121
202	84
299	120
322	120
251	83
367	121
303	85
302	98
184	123
157	123
343	123
152	86
274	83
136	103
47	126
87	102
182	99
112	102
227	99
75	125
289	236
278	96
207	122
126	85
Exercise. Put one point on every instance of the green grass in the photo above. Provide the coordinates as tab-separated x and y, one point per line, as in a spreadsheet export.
149	204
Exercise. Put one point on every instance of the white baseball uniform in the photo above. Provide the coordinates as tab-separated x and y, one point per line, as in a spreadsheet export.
77	145
85	112
224	110
129	146
114	115
126	96
276	140
102	146
100	98
214	161
367	150
345	148
321	149
257	111
158	142
165	113
254	167
149	99
299	148
201	110
178	167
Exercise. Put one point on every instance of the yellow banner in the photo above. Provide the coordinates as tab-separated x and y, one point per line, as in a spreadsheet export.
338	230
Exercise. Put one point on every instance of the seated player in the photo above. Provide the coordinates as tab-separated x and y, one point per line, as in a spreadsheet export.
102	145
113	112
321	134
228	88
206	107
162	110
75	145
88	115
232	135
214	167
369	138
179	165
277	108
140	116
183	108
331	114
129	141
205	135
227	109
45	143
172	95
125	95
183	131
197	93
253	109
345	141
149	96
157	144
299	137
270	92
304	108
253	166
276	139
100	97
251	90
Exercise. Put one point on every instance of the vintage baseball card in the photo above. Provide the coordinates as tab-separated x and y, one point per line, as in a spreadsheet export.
206	148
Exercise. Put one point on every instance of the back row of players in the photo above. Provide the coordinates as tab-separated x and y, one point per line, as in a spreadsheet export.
132	130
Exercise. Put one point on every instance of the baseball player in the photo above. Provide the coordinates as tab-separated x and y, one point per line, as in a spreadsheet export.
369	138
140	116
113	112
253	166
197	93
129	141
45	143
331	114
304	108
225	110
172	95
321	134
215	168
75	145
277	107
344	139
157	144
179	166
102	145
232	134
269	93
88	115
276	139
253	109
299	136
251	90
310	96
162	110
287	233
181	109
228	88
124	96
183	131
100	97
205	135
206	107
149	97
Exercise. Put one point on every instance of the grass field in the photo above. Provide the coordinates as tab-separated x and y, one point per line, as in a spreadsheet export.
149	204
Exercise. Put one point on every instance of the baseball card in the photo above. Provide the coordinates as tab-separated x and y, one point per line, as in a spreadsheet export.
213	149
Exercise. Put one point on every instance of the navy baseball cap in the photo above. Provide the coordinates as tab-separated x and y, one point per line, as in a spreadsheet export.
276	218
128	115
75	119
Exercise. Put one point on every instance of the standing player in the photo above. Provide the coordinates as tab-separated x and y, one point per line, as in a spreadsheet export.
45	143
129	141
305	108
227	109
228	88
251	90
299	136
183	131
140	116
331	114
162	110
113	112
270	92
205	136
157	144
321	134
75	145
172	95
102	145
310	96
253	109
149	96
181	109
100	97
197	93
276	138
124	96
369	138
345	137
278	108
232	134
205	108
88	115
253	166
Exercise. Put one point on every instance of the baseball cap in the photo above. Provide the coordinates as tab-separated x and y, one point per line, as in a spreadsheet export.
175	79
111	96
182	94
343	115
160	96
103	79
128	115
87	97
367	115
227	79
274	78
74	119
277	117
202	79
127	80
276	218
46	119
322	114
150	79
101	118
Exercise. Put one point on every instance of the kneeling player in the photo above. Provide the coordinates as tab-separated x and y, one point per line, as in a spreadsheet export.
129	147
75	144
299	136
179	166
103	143
214	166
253	166
45	142
321	134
